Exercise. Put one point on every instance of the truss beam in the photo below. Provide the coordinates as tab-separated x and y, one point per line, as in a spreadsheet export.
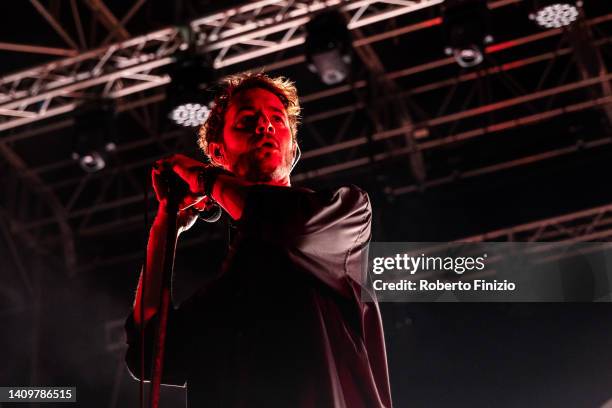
268	26
49	90
112	72
580	226
509	66
397	104
38	49
42	92
446	119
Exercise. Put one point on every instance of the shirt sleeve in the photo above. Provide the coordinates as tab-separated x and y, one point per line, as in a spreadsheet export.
324	233
174	370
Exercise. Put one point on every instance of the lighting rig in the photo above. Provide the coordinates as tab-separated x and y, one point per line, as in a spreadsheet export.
94	136
466	30
555	14
329	47
188	103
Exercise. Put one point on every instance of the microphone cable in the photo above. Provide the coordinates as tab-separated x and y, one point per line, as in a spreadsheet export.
210	216
143	288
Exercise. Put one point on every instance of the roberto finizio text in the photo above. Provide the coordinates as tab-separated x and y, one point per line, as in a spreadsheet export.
425	285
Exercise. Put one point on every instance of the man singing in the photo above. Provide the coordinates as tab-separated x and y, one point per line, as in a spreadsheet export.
283	325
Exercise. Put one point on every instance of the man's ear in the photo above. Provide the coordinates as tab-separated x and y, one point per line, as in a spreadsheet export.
216	153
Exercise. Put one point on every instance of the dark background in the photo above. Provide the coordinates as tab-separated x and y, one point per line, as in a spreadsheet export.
63	326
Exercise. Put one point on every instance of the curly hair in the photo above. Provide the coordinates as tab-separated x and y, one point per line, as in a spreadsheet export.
283	88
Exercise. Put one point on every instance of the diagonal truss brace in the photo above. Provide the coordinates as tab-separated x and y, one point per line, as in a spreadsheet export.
114	71
264	27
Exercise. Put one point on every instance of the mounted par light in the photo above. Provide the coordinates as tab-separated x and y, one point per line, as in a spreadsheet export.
187	101
190	114
91	161
466	31
329	47
466	56
555	14
94	135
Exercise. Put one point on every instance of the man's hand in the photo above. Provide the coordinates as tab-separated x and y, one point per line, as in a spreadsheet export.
228	191
187	169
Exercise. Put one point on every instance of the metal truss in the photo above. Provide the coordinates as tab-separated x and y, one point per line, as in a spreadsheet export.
235	35
471	76
111	72
423	143
454	138
594	224
388	88
589	59
92	217
268	26
523	161
118	70
86	212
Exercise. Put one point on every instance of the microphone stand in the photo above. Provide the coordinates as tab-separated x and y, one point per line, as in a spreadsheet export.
175	187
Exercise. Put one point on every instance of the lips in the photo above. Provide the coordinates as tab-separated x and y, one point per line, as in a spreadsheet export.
270	144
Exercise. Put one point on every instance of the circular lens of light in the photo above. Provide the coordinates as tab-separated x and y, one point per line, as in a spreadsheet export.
190	114
556	15
332	76
92	162
468	56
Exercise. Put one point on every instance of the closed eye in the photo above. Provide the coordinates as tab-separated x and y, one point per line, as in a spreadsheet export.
246	122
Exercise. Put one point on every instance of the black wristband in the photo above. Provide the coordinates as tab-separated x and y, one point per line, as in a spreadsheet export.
207	178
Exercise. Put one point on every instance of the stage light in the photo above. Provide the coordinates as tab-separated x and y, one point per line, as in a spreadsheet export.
550	14
188	104
91	162
329	47
466	31
94	135
467	56
190	114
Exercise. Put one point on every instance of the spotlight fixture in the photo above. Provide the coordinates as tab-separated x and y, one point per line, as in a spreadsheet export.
94	135
190	114
188	104
555	14
466	30
329	47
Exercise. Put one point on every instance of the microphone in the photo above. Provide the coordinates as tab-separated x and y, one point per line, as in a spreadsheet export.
178	187
211	214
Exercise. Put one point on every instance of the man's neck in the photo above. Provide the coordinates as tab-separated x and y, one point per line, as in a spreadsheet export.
266	179
286	182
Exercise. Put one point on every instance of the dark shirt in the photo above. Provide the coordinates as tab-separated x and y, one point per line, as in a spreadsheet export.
284	324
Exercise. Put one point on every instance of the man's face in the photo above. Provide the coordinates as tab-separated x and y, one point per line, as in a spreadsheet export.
257	143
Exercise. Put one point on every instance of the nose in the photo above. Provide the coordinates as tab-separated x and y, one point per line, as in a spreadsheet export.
264	125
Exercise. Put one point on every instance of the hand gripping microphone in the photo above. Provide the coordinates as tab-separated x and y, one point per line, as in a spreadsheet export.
211	213
206	179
